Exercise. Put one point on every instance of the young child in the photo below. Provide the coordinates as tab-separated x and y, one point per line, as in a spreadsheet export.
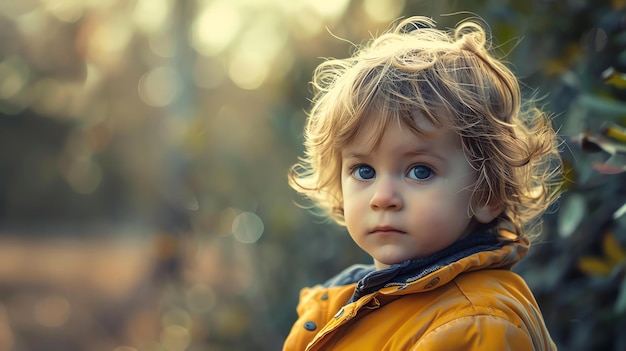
419	145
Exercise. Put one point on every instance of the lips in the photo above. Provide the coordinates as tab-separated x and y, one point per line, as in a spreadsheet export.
386	230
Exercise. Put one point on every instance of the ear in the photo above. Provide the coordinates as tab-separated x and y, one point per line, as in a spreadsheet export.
488	212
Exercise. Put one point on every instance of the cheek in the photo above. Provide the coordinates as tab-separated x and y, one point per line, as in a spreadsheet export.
351	207
446	210
347	205
449	222
355	209
352	195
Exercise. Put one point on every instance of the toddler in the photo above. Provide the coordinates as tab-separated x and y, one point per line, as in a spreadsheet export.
419	144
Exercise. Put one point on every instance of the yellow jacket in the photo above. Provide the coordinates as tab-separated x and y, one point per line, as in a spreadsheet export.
474	303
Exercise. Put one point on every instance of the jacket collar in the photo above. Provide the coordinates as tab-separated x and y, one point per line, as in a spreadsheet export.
369	280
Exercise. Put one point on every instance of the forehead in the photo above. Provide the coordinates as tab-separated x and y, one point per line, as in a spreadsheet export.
398	137
373	124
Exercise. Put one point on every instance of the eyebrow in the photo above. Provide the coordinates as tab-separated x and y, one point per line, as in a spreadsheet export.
355	155
413	152
425	151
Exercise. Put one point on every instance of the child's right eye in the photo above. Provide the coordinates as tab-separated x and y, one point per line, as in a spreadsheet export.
363	172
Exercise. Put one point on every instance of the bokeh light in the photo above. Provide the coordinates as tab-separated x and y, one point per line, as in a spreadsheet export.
52	311
247	228
201	298
216	25
175	338
160	86
152	16
383	11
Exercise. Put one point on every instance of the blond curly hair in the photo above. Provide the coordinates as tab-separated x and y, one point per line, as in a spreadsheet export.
451	78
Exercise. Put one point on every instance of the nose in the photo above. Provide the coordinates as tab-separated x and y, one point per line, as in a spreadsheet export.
386	195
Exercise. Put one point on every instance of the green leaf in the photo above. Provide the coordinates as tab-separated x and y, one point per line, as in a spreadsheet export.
598	105
620	302
620	212
571	214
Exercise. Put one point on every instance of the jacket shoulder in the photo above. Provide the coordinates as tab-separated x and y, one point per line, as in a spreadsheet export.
496	292
491	310
476	332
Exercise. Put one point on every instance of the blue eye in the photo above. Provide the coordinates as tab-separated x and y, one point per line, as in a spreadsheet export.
420	172
363	172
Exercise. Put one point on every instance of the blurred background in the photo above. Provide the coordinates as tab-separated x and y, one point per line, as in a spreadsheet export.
144	147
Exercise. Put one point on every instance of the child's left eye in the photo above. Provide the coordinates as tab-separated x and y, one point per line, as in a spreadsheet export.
420	172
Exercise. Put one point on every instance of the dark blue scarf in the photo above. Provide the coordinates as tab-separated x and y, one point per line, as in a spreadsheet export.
369	279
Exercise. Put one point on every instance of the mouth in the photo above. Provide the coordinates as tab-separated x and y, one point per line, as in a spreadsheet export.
386	230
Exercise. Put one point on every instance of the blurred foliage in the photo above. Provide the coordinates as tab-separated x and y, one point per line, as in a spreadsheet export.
144	147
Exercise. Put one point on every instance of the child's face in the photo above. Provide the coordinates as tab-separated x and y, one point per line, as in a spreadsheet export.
410	196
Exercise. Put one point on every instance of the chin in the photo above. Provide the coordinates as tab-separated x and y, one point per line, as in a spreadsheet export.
389	261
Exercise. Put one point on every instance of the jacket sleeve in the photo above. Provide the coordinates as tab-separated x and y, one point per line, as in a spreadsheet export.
480	332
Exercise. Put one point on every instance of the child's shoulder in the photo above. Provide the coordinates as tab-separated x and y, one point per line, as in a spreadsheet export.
490	289
496	294
488	299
